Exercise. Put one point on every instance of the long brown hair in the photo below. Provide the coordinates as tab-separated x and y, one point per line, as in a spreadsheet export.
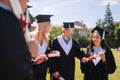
42	32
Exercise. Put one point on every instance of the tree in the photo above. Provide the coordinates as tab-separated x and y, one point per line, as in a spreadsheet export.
82	41
108	25
108	21
117	34
99	23
76	34
55	31
118	38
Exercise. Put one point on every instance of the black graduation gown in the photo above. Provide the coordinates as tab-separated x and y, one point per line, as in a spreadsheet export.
101	70
40	70
15	59
65	64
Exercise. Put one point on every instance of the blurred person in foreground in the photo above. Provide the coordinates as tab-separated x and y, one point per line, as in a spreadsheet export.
15	56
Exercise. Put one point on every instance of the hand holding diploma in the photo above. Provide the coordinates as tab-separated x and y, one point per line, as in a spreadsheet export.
58	76
39	60
61	78
101	54
42	58
53	54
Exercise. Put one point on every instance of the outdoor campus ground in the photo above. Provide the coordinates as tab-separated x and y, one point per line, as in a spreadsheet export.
114	76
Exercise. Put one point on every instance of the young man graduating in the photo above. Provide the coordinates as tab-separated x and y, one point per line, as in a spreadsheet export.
63	68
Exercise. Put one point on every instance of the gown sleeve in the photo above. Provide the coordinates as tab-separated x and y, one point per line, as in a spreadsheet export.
83	65
78	52
53	61
110	62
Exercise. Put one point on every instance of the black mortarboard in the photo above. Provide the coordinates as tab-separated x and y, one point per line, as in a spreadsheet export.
68	24
101	31
43	18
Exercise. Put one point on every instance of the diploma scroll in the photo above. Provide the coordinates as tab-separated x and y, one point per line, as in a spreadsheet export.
48	55
53	54
93	57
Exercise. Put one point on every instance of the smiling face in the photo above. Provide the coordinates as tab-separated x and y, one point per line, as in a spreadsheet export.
96	38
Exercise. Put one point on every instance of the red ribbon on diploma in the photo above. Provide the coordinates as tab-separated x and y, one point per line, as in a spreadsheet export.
91	58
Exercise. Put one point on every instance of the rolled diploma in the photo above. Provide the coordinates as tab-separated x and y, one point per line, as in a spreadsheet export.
53	54
93	57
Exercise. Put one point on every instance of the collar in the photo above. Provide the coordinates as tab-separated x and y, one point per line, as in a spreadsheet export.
2	5
97	48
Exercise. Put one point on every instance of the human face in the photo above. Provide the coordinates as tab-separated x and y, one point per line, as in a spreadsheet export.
69	32
47	27
44	27
96	38
23	4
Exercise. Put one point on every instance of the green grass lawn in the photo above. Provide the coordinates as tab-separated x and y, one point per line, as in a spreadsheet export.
114	76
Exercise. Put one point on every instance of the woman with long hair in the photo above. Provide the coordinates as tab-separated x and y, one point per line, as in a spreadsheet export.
41	35
100	60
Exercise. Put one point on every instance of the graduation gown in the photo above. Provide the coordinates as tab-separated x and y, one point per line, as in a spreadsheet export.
40	70
15	59
65	64
101	70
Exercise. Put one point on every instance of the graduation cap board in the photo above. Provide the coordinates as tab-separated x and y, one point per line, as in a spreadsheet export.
68	24
101	31
43	18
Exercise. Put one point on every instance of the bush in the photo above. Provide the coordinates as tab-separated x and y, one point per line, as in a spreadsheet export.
83	42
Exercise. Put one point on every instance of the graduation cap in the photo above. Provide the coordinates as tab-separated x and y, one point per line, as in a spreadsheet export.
101	31
43	18
68	24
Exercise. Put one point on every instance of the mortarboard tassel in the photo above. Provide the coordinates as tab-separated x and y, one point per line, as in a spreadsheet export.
70	29
103	36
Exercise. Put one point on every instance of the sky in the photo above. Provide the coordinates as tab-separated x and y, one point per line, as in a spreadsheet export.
89	11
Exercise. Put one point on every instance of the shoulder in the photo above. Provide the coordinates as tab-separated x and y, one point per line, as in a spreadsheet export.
108	49
57	37
55	40
6	15
74	41
9	21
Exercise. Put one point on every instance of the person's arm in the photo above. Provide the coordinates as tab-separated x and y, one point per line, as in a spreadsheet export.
52	61
58	76
110	62
77	51
33	48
